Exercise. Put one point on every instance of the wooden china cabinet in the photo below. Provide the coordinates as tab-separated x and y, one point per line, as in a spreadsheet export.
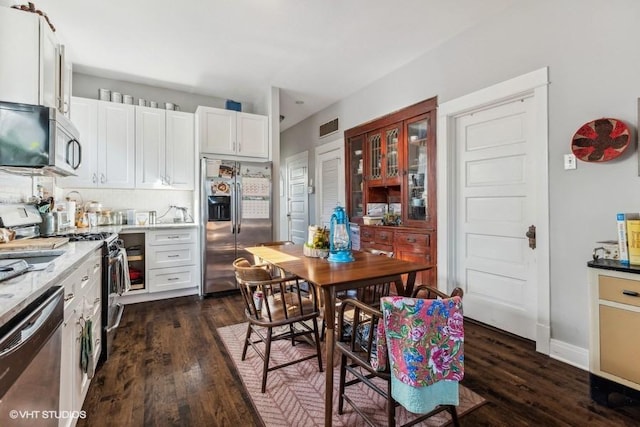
392	160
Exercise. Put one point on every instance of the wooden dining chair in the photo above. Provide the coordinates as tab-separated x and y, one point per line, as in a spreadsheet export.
369	295
276	309
357	345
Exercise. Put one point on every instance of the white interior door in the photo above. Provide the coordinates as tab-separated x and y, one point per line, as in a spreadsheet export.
496	205
297	196
330	180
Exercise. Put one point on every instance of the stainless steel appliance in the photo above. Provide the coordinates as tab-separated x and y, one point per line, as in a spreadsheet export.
115	282
37	140
30	346
236	211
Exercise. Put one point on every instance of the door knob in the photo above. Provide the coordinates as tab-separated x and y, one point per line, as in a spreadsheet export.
531	235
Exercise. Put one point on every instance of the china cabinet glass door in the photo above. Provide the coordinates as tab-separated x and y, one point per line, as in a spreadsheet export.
417	186
392	166
356	177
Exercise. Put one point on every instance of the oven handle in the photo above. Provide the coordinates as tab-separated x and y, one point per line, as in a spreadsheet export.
120	311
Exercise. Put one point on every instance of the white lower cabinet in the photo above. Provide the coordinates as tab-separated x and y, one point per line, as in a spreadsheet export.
171	259
82	290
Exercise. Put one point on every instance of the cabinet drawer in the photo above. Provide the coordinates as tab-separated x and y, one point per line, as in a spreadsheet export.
375	245
620	343
413	239
168	279
173	236
367	234
613	288
171	256
384	237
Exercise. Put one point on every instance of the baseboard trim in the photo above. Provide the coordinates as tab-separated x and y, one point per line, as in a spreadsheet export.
570	354
154	296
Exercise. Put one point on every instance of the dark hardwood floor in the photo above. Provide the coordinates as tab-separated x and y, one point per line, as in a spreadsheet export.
170	368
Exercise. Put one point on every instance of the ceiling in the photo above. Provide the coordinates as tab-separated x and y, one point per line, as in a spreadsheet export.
315	51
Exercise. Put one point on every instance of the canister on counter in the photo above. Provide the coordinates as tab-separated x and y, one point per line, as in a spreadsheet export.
116	97
152	217
127	99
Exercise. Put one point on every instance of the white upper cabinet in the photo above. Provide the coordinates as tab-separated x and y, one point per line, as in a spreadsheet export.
232	133
165	149
107	137
33	69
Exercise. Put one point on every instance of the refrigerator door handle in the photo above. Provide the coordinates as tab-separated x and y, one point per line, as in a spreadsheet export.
233	209
239	201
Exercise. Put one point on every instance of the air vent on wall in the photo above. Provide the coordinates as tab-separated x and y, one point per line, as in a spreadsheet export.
329	128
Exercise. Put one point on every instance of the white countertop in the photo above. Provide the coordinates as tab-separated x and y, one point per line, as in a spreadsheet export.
20	291
135	228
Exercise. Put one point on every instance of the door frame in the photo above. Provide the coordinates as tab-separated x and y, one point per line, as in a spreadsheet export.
534	85
337	145
304	156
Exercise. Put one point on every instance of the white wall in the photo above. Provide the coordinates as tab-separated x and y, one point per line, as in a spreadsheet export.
590	48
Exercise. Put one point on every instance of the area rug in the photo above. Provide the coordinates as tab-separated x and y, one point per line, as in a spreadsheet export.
295	394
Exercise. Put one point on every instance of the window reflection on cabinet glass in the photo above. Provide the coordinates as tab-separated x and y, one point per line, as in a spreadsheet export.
356	147
375	153
417	175
392	153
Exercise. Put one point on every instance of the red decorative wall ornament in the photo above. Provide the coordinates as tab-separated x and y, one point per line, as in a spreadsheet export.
600	140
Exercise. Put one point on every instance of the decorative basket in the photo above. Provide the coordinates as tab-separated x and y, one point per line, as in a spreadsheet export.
315	253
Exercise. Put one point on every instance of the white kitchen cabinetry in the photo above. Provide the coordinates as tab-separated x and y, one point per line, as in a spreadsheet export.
82	290
171	259
233	133
107	136
31	60
165	149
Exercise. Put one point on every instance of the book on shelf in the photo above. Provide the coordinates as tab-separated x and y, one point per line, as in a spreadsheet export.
633	240
623	245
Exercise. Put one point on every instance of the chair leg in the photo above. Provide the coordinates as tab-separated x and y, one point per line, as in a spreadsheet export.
267	353
246	342
454	416
391	407
316	338
343	375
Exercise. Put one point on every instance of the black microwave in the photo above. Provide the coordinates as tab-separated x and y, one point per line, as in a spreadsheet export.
37	140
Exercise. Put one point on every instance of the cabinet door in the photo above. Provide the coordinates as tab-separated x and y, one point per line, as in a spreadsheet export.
217	130
252	135
49	73
374	158
355	177
417	247
116	145
419	194
150	147
68	366
392	154
180	159
20	53
85	117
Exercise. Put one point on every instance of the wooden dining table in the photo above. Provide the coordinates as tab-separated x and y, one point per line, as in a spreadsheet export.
330	277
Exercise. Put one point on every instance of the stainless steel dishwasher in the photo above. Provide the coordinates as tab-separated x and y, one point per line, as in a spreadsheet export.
30	345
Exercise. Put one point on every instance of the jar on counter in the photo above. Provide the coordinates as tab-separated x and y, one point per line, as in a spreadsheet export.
105	218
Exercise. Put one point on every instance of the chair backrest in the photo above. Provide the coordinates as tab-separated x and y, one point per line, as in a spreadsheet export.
277	300
428	292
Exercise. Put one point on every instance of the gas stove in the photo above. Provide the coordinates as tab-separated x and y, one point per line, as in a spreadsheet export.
88	236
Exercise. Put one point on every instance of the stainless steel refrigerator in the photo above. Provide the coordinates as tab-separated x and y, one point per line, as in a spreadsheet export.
236	211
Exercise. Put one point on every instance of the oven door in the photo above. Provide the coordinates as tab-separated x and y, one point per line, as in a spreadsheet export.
117	278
